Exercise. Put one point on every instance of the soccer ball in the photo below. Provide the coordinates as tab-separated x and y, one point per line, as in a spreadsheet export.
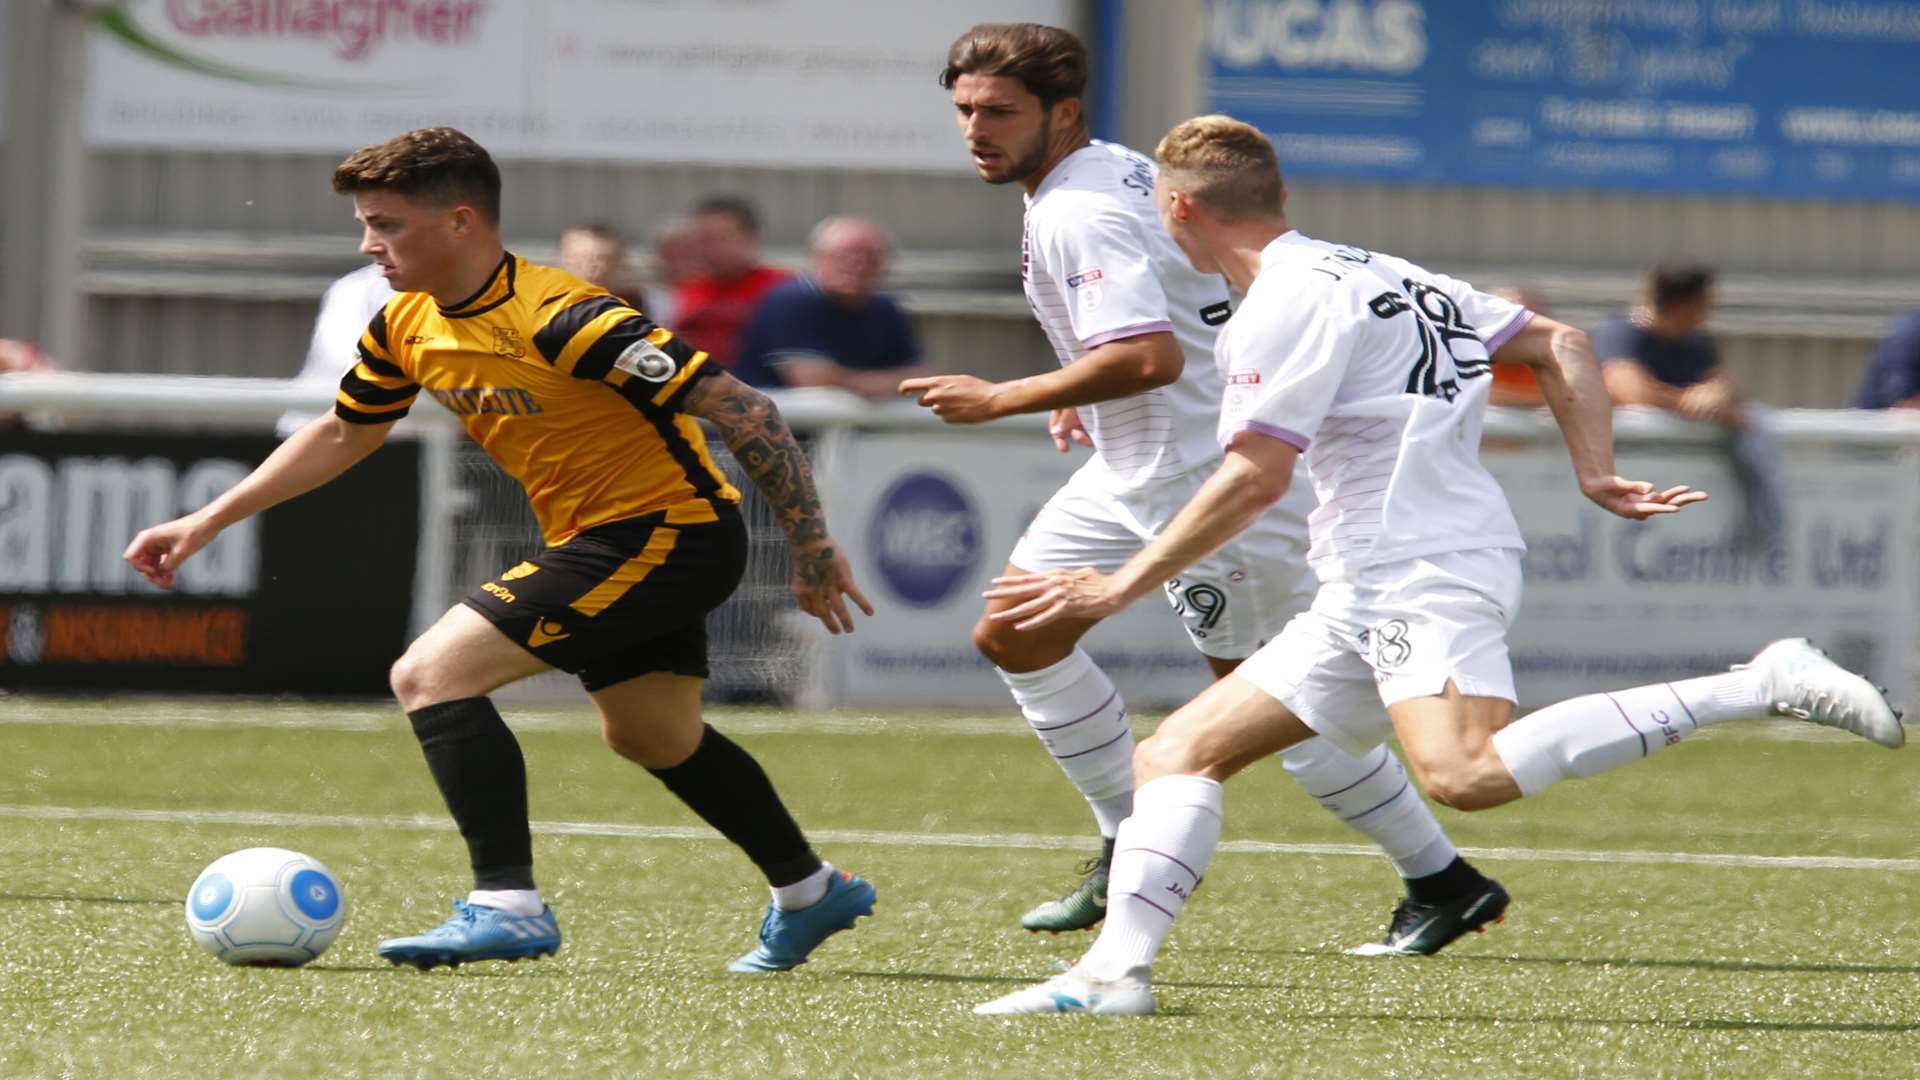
268	907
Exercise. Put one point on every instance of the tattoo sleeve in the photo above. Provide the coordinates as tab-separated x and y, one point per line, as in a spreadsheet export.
751	426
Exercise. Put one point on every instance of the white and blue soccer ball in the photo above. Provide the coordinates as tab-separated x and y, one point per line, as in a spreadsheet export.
268	907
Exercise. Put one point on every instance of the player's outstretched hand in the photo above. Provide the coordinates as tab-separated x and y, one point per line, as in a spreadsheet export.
822	585
1065	427
1054	595
158	552
957	399
1637	500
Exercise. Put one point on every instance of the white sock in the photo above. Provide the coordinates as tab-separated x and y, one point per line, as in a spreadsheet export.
517	901
803	893
1160	855
1589	735
1373	794
1078	714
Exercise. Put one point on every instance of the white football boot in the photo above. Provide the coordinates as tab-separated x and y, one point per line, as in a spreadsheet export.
1075	992
1802	683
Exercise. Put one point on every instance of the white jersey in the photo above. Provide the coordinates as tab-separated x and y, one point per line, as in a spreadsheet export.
1378	371
1098	267
346	309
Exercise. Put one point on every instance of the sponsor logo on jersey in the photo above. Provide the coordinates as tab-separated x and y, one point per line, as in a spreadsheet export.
507	343
475	400
645	360
926	535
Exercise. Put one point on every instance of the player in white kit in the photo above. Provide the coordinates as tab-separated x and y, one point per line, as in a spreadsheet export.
1134	325
1377	371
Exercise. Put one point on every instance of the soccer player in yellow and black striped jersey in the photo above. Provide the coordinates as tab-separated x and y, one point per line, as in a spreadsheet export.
595	410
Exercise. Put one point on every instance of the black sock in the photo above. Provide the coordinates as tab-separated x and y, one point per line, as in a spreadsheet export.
1456	879
728	789
1106	851
476	761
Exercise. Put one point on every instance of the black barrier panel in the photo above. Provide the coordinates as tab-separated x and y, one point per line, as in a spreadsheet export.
311	597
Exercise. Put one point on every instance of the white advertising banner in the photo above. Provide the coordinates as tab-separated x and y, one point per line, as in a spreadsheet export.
1611	603
930	519
777	82
1608	603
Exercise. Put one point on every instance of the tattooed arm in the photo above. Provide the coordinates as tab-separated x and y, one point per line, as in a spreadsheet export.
753	429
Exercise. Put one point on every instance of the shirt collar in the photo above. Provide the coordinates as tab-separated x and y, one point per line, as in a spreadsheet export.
498	290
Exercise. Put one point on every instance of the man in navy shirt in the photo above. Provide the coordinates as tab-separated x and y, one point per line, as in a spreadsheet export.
830	327
1658	354
1892	379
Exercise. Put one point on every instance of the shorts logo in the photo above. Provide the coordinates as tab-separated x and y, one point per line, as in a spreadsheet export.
1215	314
501	591
545	633
644	359
518	572
1389	644
507	343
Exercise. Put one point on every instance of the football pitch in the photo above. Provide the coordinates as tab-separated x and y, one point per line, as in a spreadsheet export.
1746	904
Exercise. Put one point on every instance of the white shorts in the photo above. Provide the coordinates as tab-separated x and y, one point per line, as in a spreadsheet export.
1402	632
1231	602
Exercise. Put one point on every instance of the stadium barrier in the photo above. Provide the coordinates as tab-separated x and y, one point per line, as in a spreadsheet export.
928	513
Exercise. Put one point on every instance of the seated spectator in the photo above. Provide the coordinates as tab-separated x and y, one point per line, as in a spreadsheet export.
1658	354
1514	384
830	327
22	358
676	261
597	254
1892	378
712	310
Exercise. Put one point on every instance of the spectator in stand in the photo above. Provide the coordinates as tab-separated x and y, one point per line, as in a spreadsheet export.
831	326
597	254
1658	354
22	358
712	309
346	308
1892	378
1513	383
676	261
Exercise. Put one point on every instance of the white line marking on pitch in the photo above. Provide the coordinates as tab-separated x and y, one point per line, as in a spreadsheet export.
271	819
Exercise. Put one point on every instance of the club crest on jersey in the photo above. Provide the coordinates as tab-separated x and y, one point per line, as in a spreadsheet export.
644	359
507	343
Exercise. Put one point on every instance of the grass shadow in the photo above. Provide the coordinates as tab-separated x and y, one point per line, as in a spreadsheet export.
1739	967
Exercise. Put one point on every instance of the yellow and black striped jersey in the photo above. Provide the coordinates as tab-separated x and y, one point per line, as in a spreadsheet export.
574	393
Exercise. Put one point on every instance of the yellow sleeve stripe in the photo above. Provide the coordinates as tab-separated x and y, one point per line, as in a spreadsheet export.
344	399
589	335
680	377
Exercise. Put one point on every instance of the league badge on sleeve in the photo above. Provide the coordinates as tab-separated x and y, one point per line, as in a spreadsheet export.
645	360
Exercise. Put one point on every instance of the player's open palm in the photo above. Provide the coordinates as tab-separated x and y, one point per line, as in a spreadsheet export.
158	552
1637	500
822	585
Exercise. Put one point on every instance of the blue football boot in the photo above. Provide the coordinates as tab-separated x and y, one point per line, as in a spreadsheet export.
786	937
477	933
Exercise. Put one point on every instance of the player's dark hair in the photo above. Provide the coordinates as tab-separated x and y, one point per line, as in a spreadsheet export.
1678	283
437	164
733	206
1050	62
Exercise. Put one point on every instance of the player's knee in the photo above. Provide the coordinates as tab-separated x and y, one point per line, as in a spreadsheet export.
1459	785
1000	644
411	678
1161	755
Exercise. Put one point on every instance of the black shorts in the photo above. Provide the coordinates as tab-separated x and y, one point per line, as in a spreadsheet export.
623	599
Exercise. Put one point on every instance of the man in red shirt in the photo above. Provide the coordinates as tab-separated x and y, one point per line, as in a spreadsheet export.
712	310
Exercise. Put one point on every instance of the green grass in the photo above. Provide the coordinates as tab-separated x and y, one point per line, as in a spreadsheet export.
1602	969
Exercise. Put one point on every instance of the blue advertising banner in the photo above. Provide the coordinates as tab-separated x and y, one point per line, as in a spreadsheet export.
1805	98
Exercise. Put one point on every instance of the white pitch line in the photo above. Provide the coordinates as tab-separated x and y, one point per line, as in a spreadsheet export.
1035	841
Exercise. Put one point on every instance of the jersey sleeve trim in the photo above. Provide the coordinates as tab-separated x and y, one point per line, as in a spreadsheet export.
377	366
1507	332
1272	431
696	367
563	330
346	409
1136	330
